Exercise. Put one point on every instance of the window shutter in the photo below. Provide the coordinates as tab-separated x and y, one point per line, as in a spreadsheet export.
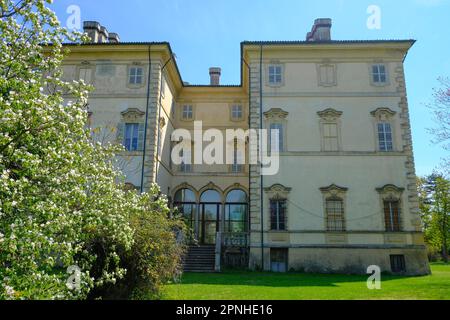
120	132
141	135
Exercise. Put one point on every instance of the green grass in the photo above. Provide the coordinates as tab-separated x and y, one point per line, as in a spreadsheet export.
296	286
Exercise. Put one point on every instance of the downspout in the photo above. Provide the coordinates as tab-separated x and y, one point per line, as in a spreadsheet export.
249	162
146	117
260	150
158	118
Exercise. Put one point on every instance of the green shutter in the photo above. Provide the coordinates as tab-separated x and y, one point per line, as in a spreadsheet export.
141	135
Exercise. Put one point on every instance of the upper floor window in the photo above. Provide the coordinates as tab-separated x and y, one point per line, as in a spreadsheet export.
392	215
384	121
275	74
330	121
278	215
188	112
131	130
186	162
131	140
385	136
379	74
86	75
238	158
278	130
237	112
327	75
276	123
136	76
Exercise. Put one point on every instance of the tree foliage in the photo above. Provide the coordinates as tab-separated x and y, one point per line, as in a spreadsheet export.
434	201
62	202
440	108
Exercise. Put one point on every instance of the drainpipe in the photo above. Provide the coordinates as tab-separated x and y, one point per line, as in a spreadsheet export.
249	126
146	116
159	115
260	150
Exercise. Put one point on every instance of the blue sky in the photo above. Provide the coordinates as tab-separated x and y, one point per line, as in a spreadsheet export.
206	33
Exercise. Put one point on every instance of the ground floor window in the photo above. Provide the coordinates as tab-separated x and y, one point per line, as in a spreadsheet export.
398	263
278	260
236	212
185	202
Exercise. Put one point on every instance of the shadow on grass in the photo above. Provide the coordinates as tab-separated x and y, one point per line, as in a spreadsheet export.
268	279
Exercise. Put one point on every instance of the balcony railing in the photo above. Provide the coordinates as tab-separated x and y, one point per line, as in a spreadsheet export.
240	239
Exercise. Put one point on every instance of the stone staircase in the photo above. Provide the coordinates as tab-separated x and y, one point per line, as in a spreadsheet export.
200	259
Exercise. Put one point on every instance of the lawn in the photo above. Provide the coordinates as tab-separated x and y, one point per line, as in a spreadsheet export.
293	286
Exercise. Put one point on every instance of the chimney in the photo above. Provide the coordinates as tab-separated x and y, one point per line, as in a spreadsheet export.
321	30
98	33
214	74
92	28
114	37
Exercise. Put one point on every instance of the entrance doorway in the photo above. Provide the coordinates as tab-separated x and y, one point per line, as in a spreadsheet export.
209	219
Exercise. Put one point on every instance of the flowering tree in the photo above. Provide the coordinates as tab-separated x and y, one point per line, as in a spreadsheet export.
62	203
440	109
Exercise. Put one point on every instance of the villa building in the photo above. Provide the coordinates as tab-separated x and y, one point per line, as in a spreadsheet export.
344	197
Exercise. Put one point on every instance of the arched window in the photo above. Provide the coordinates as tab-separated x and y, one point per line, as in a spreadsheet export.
236	212
210	196
185	201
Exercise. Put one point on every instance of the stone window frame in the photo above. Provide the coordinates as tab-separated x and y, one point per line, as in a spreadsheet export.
281	193
181	116
330	116
386	68
275	63
391	192
330	193
385	115
273	116
243	114
130	116
320	81
144	78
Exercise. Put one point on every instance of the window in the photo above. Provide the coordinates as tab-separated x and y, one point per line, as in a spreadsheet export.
330	137
278	215
379	74
398	263
327	75
236	112
136	76
385	136
86	75
238	160
392	215
236	208
277	129
275	75
188	112
335	214
278	260
186	163
185	201
131	140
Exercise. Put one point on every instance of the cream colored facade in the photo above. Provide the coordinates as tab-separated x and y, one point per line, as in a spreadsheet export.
329	108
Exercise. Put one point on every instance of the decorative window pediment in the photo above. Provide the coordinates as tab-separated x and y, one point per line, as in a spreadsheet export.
334	190
383	114
276	113
278	191
132	115
390	192
330	114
